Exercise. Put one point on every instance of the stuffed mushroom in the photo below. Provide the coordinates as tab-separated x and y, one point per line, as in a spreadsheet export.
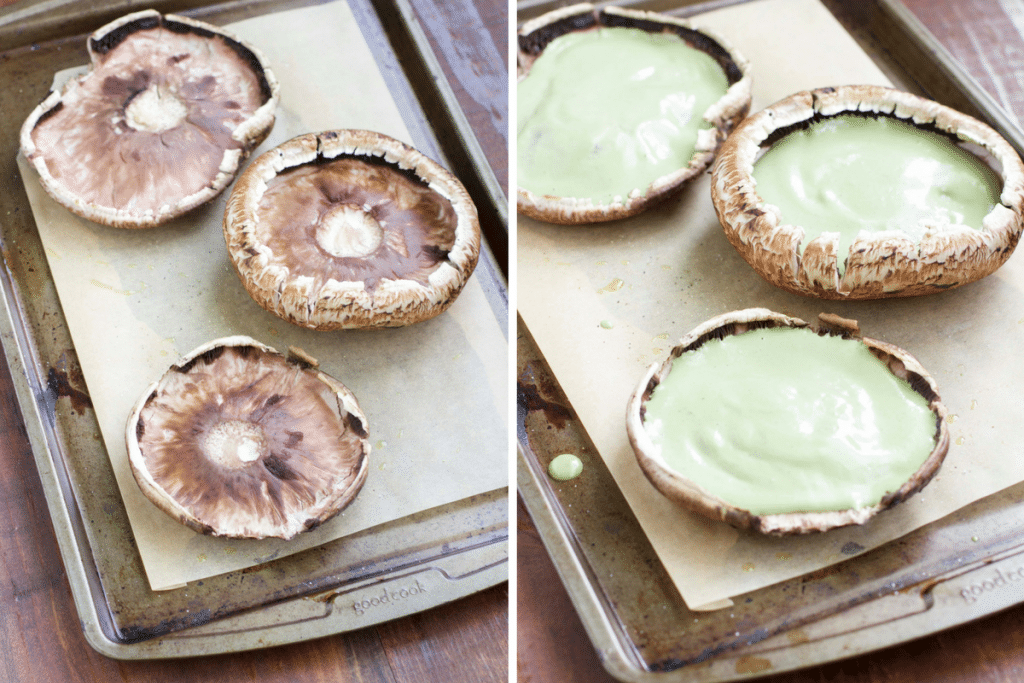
867	192
617	109
760	421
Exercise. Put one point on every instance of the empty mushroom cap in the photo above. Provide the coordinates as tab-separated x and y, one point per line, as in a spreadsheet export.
878	264
723	115
682	490
239	440
351	229
158	125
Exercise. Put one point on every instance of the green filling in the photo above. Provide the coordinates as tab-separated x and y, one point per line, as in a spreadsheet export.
782	420
851	173
608	111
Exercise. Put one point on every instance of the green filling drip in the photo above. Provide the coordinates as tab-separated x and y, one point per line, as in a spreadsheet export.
565	467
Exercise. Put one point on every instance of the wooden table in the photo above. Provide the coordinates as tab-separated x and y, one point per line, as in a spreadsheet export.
463	641
986	36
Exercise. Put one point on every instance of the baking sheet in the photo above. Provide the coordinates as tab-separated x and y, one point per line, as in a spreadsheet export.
652	278
454	550
137	300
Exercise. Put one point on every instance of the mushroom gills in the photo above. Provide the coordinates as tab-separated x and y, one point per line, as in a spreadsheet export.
351	229
355	218
157	126
241	441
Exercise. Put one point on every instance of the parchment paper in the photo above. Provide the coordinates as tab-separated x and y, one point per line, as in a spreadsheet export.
435	393
655	277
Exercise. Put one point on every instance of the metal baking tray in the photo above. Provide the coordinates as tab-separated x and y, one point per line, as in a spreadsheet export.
382	573
960	568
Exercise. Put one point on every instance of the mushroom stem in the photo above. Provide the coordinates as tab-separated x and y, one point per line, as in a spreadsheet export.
234	443
347	230
153	111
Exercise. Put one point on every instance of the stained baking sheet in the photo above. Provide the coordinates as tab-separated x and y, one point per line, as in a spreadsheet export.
612	570
422	559
135	301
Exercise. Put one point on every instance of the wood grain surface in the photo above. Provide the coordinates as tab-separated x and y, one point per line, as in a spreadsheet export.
987	36
464	641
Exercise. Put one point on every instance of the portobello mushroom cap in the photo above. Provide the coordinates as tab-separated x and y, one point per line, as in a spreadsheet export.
879	264
680	489
351	229
159	125
241	441
535	35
